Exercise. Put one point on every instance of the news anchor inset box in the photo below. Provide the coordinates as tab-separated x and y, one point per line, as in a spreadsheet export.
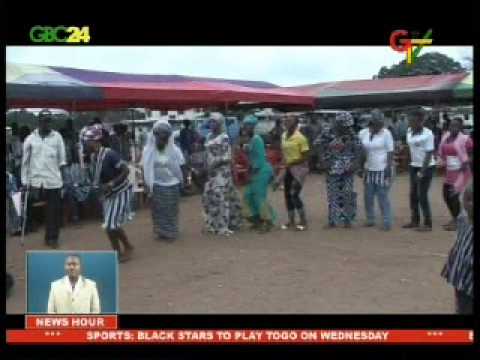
72	282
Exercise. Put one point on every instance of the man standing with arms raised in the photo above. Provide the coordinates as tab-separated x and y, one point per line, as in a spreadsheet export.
42	163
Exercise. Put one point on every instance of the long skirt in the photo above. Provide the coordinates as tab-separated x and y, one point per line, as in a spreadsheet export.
165	200
117	209
221	205
342	199
256	196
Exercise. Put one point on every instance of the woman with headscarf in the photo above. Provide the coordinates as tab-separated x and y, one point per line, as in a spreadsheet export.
340	149
261	176
378	146
221	202
111	178
295	152
454	150
162	162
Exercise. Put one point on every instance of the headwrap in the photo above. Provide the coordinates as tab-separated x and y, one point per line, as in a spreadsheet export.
162	126
219	119
250	120
150	154
344	119
92	133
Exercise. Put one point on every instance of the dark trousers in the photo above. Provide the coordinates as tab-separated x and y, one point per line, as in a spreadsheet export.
53	211
463	303
452	199
419	188
292	189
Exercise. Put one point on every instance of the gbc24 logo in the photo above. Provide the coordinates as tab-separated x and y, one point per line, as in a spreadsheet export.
60	34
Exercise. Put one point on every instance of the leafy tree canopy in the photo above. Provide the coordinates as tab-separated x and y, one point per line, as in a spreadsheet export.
432	63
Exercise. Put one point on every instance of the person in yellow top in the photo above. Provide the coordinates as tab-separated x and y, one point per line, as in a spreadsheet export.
295	151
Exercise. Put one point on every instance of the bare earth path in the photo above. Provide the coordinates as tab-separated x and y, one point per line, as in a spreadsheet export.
320	271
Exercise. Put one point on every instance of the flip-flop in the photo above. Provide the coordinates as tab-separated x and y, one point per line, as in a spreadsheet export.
287	227
123	259
450	227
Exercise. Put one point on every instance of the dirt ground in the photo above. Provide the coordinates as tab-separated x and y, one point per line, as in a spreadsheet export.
357	271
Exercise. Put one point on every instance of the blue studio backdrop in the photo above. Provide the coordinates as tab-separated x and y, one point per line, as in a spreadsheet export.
45	267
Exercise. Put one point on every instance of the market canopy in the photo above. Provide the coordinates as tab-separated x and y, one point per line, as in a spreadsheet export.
411	90
75	89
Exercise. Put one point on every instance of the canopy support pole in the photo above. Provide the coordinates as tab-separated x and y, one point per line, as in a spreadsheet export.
133	135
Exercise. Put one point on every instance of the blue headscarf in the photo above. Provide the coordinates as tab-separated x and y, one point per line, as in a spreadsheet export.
250	120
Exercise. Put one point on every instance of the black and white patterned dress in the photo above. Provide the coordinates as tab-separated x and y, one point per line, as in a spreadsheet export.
458	270
221	201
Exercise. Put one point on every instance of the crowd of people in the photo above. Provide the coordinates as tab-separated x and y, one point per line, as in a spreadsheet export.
50	169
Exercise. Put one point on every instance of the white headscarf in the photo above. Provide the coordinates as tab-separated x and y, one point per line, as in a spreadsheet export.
220	120
150	154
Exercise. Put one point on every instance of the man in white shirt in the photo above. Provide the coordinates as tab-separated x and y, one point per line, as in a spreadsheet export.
421	142
378	147
43	159
73	294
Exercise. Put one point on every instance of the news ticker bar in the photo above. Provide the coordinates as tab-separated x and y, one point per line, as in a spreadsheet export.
103	329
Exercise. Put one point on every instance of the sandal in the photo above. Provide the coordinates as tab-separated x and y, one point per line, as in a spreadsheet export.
124	258
288	226
301	227
450	227
424	228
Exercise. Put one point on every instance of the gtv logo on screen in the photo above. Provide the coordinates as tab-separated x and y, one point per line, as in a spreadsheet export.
400	42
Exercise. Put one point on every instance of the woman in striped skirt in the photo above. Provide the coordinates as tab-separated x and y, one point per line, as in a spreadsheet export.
111	177
378	146
162	162
458	270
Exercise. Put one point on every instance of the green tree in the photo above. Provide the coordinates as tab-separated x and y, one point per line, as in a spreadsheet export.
432	63
467	62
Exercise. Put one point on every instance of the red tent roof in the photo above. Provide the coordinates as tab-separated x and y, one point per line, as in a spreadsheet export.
381	86
40	86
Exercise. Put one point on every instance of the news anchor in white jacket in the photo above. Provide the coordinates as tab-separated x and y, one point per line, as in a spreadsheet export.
73	294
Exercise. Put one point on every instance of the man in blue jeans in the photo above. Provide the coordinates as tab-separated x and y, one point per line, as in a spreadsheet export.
378	147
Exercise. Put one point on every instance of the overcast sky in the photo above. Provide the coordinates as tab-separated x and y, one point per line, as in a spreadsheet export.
286	66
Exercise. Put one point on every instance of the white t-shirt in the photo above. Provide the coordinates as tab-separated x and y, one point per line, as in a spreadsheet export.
419	145
376	148
163	176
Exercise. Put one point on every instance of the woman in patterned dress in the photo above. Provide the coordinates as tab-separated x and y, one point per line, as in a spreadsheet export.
221	201
340	149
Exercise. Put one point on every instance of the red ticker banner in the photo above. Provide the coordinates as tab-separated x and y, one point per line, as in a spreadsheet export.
239	337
